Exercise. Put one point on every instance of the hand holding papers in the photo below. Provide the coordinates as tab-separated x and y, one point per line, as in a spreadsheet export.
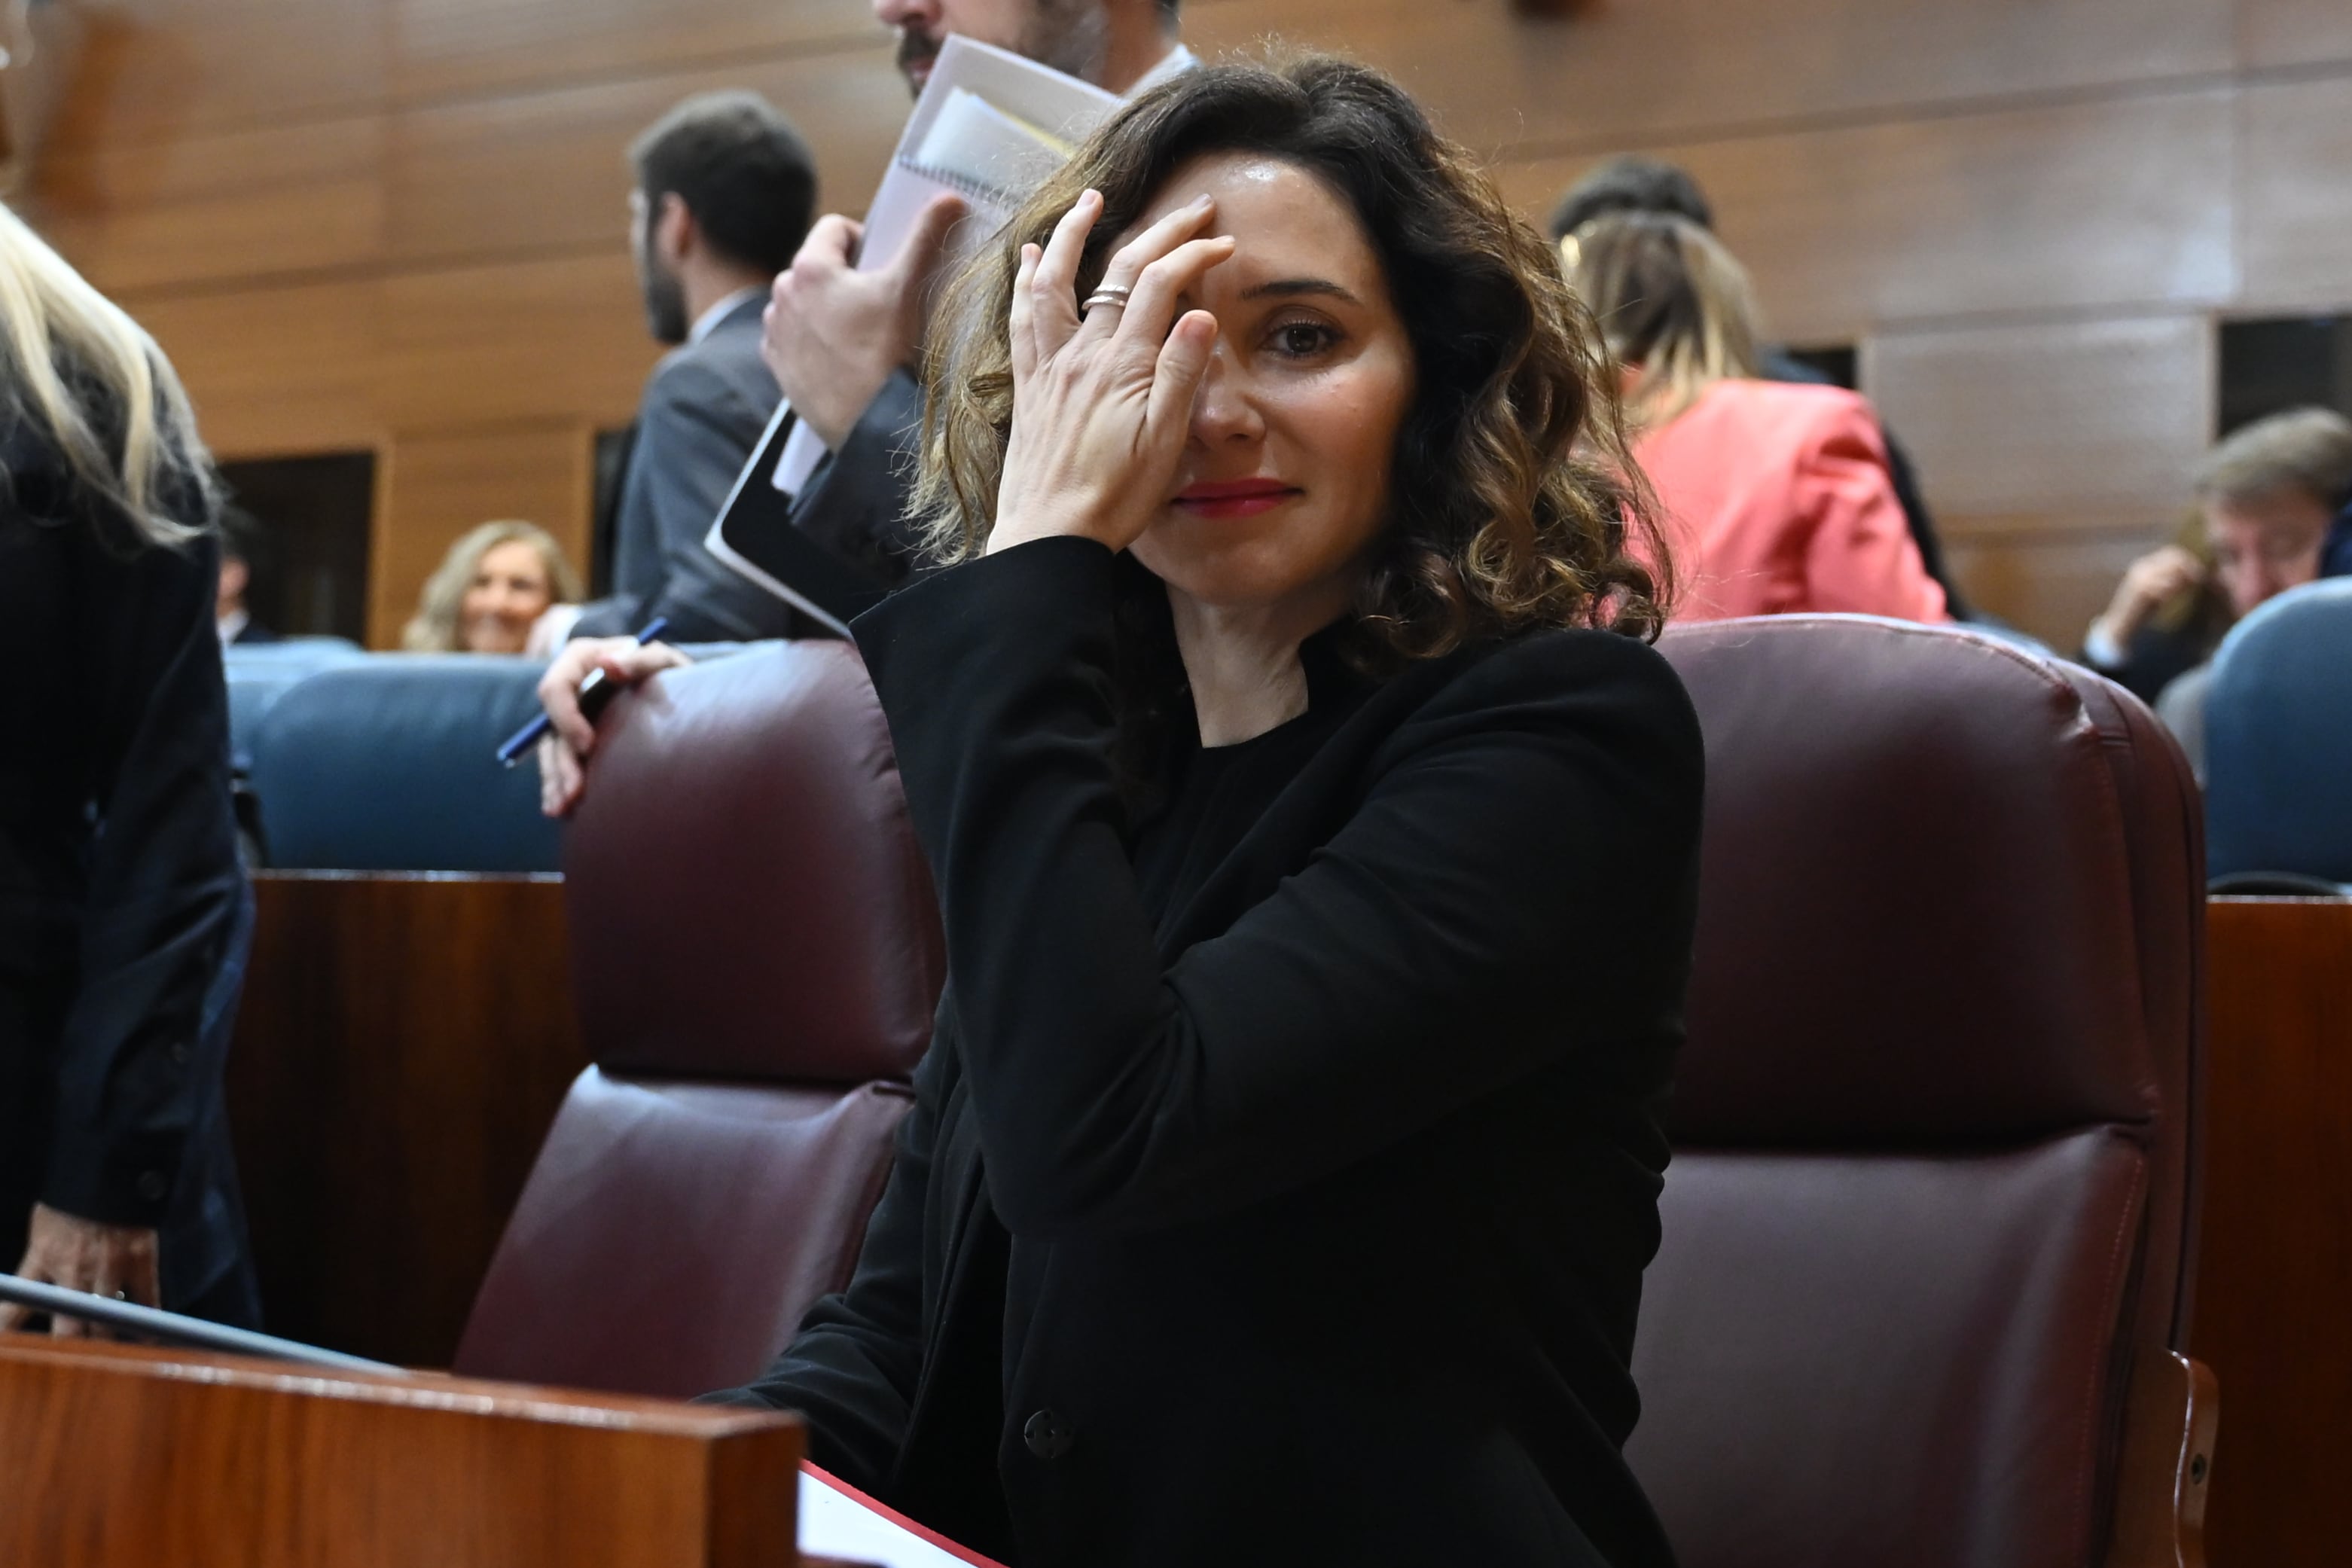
989	127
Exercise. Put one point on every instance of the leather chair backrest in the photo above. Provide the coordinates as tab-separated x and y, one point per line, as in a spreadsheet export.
1933	1181
388	764
2278	737
258	673
756	957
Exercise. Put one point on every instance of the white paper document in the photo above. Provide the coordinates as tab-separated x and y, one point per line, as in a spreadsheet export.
991	127
836	1521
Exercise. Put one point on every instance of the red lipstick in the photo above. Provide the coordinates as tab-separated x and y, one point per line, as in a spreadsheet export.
1234	498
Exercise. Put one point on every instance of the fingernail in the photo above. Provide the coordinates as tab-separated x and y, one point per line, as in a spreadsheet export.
1203	201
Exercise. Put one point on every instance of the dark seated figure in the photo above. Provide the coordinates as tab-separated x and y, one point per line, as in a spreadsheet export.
1315	834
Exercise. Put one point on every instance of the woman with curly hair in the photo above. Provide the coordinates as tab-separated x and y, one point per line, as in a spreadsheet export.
1315	834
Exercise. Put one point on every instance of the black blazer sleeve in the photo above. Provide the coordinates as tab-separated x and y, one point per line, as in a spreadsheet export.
850	1368
855	502
164	891
1454	936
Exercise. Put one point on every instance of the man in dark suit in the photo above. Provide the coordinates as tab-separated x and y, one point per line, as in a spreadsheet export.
724	189
842	342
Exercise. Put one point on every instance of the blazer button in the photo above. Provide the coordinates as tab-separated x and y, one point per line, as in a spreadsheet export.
1048	1435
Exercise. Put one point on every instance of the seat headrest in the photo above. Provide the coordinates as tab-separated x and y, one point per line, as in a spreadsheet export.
1916	922
389	764
745	893
2278	737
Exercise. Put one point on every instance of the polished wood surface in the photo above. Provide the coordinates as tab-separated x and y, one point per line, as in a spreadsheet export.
357	224
401	1050
2274	1280
125	1458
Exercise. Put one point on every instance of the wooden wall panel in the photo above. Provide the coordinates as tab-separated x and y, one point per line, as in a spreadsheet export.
438	486
160	69
2274	1282
276	372
1622	71
2119	201
2293	32
468	347
2099	416
549	170
2041	578
401	1050
230	206
2296	189
444	47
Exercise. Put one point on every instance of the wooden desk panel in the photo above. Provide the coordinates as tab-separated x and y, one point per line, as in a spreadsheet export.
402	1047
2274	1282
123	1458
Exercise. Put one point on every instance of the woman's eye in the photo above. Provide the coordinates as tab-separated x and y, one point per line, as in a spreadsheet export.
1303	340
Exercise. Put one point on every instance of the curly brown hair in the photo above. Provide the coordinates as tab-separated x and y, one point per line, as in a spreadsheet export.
1514	504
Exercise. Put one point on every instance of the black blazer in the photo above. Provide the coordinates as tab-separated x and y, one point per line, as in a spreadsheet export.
122	905
1305	1225
855	502
702	414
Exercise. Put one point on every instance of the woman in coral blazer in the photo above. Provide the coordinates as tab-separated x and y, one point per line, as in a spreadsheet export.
1778	497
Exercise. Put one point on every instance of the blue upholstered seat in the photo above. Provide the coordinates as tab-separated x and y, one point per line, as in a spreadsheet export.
386	764
2278	739
260	673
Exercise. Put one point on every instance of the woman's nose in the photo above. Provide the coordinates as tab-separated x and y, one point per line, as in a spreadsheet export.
1225	408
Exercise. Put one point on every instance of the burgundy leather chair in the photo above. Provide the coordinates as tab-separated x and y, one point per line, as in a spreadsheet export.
1930	1225
756	957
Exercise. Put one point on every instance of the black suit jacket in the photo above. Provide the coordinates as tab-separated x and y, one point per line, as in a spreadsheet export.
122	905
703	414
855	502
1306	1224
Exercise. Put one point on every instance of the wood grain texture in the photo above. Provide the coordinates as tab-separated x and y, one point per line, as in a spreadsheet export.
2051	419
402	1047
1625	72
2295	201
2274	1282
124	1457
439	485
2290	32
2119	203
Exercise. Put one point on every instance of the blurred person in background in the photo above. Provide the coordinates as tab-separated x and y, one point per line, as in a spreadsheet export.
124	914
844	344
2267	496
494	592
2268	499
724	191
241	547
1635	184
1778	497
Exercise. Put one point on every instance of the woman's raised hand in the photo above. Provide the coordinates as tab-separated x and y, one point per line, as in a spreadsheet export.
1102	400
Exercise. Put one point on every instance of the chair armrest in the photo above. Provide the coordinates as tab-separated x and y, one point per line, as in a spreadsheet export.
2166	1465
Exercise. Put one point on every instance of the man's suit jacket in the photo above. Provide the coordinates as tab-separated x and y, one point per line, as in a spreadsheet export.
703	413
855	502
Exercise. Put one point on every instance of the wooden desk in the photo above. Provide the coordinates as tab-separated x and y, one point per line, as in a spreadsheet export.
2274	1280
122	1457
400	1049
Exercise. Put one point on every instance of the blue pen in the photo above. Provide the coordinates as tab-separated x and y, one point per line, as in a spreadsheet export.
595	692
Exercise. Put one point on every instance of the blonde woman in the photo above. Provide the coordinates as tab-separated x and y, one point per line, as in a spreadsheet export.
491	591
121	902
1778	496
